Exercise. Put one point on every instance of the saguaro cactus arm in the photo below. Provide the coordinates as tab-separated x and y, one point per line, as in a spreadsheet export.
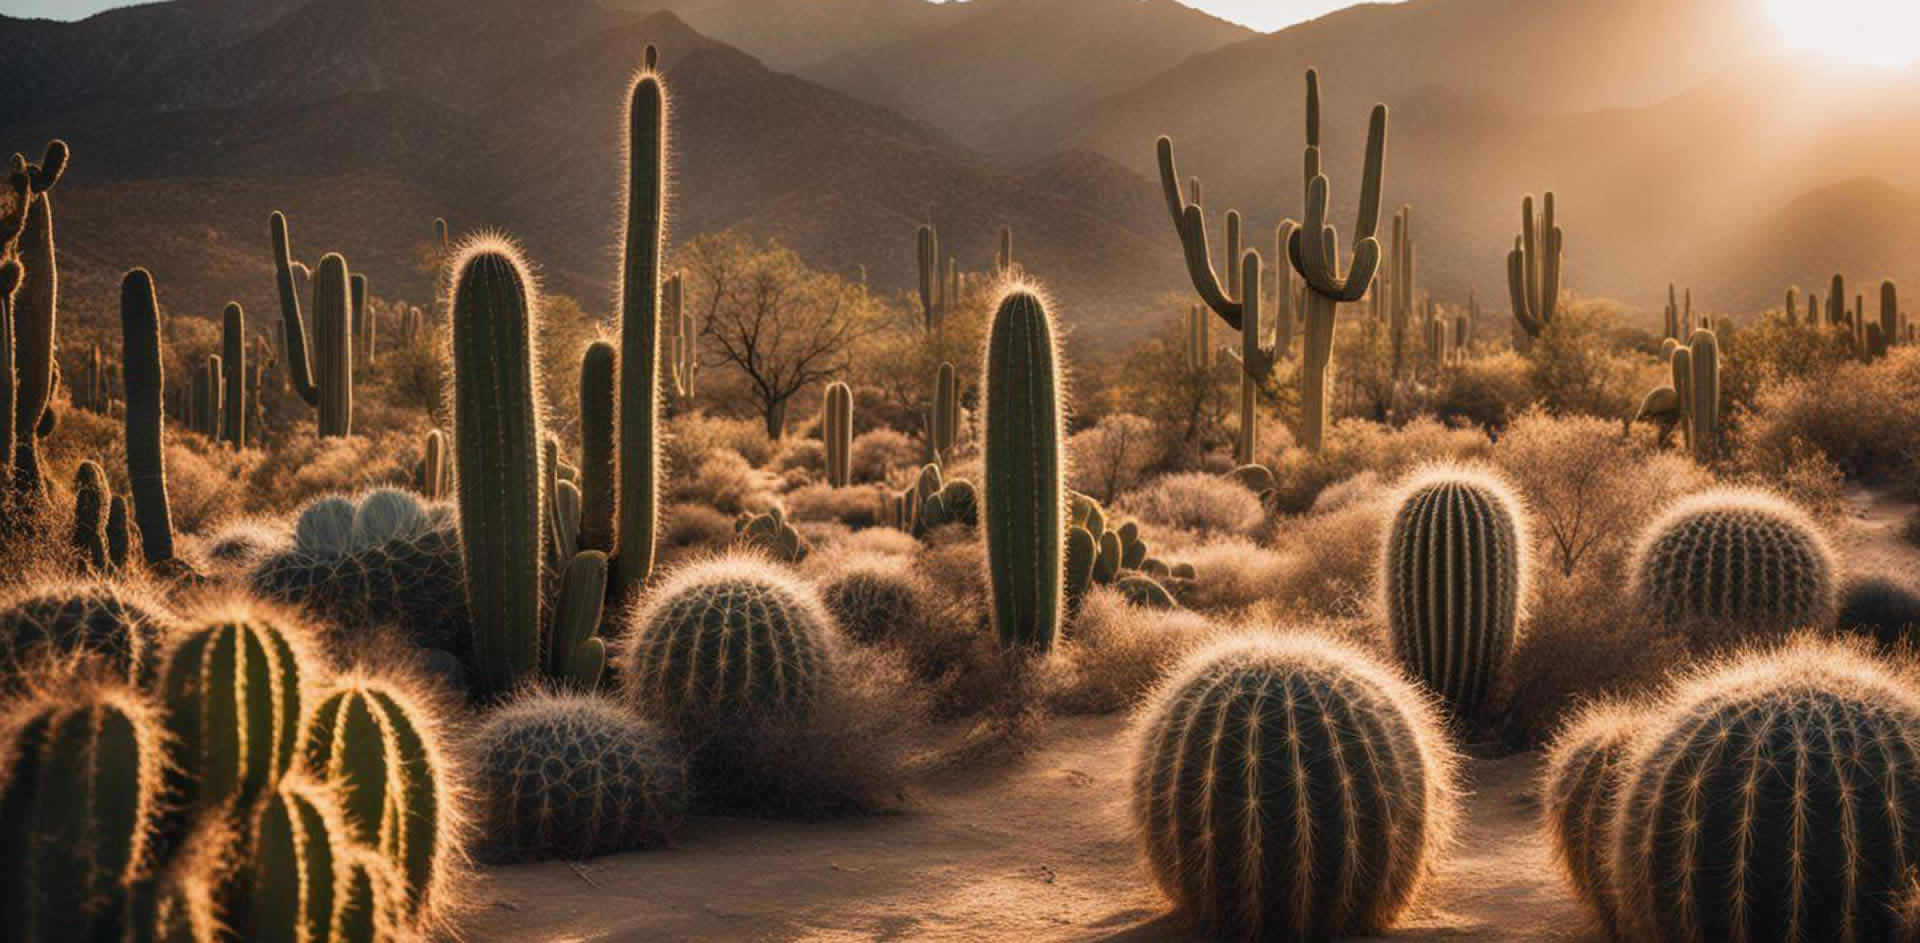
1190	221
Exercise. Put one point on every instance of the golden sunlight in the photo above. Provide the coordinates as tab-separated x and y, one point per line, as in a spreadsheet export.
1880	33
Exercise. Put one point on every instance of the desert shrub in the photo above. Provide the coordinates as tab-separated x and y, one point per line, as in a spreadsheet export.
857	506
881	540
1356	445
1364	488
305	466
1484	391
695	525
725	481
874	597
1197	501
797	454
1879	608
878	452
1110	457
201	484
1798	471
1114	653
692	436
1574	368
1863	416
1234	573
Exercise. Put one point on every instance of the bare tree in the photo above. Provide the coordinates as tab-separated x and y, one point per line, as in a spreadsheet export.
782	326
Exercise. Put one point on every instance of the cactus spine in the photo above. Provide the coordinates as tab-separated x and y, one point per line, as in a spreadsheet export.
1454	574
497	434
837	429
639	410
145	435
1533	268
1584	767
1286	788
1025	472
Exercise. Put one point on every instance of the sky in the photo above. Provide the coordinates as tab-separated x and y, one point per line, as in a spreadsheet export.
1259	14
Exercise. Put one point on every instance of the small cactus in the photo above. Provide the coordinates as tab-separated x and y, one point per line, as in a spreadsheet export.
110	622
837	431
875	598
1025	472
1740	558
1583	772
90	498
232	690
1287	788
573	776
771	534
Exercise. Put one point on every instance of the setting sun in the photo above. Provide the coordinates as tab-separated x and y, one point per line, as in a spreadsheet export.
1880	33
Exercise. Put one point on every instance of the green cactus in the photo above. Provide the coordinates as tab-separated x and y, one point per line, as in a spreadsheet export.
572	776
683	342
119	534
434	476
837	430
368	908
1738	557
366	322
934	297
110	622
1584	767
1837	301
232	690
1142	590
9	380
1197	341
326	381
726	643
1454	574
233	366
1025	473
771	534
1771	800
946	411
90	498
77	812
1702	395
36	306
497	432
576	654
145	432
640	330
1287	788
1401	289
1533	269
294	883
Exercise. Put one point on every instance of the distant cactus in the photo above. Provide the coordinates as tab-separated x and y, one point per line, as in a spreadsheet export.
90	498
945	424
1702	394
934	299
233	363
573	776
1737	557
9	285
110	622
1533	268
726	643
1318	812
326	380
79	801
770	533
640	330
1584	767
295	882
146	437
232	692
1025	465
1769	798
836	428
683	342
1454	572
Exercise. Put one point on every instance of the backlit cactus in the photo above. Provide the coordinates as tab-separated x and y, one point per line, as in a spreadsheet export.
1771	799
573	776
233	366
108	622
1584	767
497	437
946	411
1533	269
836	428
875	598
597	411
90	497
297	877
1737	557
232	692
145	433
640	330
1025	472
326	380
726	643
35	309
1286	788
1702	394
1454	575
770	533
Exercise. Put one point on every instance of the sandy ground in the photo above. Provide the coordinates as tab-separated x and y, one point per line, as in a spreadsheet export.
1036	850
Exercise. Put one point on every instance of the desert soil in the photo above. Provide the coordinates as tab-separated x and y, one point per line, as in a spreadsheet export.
1037	849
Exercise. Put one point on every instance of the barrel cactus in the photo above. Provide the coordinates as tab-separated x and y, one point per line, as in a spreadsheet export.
295	881
875	597
369	906
232	689
1454	574
77	805
1770	798
726	643
1583	773
115	623
1025	472
1738	558
1287	788
573	776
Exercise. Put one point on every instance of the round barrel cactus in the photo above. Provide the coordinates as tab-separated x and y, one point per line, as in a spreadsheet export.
875	597
1739	558
725	643
1454	574
1288	788
296	880
1583	773
574	776
114	623
232	689
1772	798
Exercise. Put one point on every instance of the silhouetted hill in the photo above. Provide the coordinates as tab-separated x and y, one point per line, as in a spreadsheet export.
789	34
1863	228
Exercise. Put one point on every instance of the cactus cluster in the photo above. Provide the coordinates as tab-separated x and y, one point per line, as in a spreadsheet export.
1739	558
1287	788
1533	271
1454	574
934	502
1117	558
1025	472
773	535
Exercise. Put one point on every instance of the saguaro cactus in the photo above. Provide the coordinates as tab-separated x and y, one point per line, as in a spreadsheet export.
836	427
233	366
640	329
9	382
933	287
1533	268
684	342
146	437
946	411
36	308
325	381
1702	395
1025	472
597	408
90	498
497	438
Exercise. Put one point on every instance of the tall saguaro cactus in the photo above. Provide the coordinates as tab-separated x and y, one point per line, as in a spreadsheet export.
933	287
233	364
326	381
1533	268
1025	473
36	308
497	435
640	328
837	429
146	439
597	401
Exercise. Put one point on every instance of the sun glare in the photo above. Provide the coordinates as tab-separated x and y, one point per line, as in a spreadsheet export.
1884	34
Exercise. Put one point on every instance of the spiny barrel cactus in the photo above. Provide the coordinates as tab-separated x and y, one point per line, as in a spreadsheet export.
369	906
296	878
113	622
874	597
1741	558
573	776
1583	772
232	688
378	744
77	811
146	437
640	330
1287	788
1454	572
497	435
1025	472
725	643
837	430
1771	799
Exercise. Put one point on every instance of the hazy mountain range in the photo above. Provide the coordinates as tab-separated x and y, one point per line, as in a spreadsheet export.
1682	147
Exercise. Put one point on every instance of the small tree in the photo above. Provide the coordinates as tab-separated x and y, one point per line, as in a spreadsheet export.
782	326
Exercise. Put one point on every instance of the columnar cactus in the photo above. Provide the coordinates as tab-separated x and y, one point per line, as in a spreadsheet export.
1454	573
1889	315
946	411
1003	259
36	306
575	652
145	432
1584	767
9	381
1025	468
683	342
1287	788
232	692
1771	799
77	812
1533	268
933	287
296	879
1702	394
573	776
1735	556
497	433
90	498
639	412
1675	324
1402	287
325	381
1837	301
836	427
365	322
233	365
726	643
597	408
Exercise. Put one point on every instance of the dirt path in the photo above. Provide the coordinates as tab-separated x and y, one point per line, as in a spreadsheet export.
1871	539
1040	851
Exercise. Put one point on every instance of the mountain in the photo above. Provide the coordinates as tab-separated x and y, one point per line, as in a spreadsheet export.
1864	228
990	61
791	34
